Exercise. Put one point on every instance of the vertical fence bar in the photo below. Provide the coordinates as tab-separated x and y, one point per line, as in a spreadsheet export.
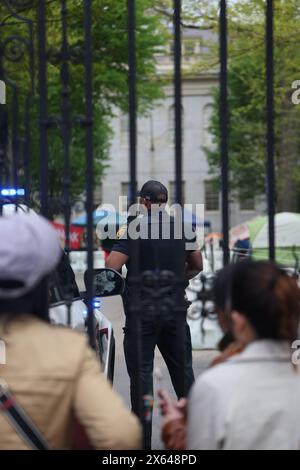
66	123
224	130
27	115
3	134
27	125
3	147
134	307
132	101
15	136
26	152
66	135
88	54
178	99
179	308
270	180
43	108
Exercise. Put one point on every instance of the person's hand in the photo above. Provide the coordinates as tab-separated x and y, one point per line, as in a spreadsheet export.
171	409
174	421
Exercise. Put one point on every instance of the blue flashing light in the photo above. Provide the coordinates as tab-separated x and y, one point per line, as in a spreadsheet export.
97	303
12	192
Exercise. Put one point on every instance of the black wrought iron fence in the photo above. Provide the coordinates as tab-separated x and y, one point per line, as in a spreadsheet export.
20	44
16	123
16	52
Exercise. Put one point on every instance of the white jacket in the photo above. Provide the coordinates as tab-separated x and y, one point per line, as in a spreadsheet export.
250	402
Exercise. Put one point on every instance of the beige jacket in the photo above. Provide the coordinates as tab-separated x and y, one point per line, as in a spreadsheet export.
54	375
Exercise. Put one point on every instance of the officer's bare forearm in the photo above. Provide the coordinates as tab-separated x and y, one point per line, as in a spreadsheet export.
189	274
194	264
116	260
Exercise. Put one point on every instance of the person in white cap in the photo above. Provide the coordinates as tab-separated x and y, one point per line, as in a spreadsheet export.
50	371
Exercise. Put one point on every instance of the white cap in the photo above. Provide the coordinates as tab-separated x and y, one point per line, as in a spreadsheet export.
29	250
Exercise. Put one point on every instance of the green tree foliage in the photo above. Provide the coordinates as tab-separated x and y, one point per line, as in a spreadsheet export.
109	75
247	101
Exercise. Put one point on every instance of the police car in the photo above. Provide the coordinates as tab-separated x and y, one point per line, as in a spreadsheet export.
63	286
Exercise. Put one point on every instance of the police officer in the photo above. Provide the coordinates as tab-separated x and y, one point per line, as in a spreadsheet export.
159	250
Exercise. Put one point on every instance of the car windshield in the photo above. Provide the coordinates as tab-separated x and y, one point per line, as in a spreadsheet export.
63	283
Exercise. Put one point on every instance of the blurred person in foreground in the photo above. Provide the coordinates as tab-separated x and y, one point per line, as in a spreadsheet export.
174	429
250	401
52	372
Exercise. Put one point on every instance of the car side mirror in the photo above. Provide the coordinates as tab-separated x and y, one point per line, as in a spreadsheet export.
107	282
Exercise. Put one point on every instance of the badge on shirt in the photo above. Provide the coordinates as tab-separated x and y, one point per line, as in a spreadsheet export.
121	232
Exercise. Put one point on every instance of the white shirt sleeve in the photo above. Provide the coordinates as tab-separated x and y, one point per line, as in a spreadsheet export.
203	418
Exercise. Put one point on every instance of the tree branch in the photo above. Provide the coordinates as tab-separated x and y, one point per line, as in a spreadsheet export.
183	24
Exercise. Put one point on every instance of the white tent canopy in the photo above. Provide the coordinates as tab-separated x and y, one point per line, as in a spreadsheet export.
287	230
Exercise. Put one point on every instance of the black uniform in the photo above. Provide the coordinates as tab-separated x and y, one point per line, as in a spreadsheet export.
158	315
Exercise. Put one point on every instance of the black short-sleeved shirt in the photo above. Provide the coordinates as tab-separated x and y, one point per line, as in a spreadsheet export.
162	244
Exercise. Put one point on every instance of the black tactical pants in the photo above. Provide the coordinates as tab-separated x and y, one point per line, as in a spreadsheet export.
160	331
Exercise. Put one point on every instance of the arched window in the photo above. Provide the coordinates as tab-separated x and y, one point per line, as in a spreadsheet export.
207	136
